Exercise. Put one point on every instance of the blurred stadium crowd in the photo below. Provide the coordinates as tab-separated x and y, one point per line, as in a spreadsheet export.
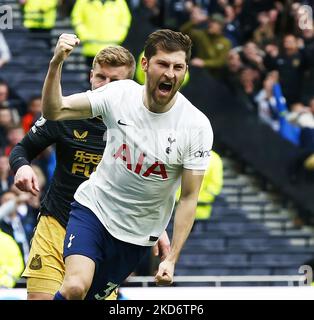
262	50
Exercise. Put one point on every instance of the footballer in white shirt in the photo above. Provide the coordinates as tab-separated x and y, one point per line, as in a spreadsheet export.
156	141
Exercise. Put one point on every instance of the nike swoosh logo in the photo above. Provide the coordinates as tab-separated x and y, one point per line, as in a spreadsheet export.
121	123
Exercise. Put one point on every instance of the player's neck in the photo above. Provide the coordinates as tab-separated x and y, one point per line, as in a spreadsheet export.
152	106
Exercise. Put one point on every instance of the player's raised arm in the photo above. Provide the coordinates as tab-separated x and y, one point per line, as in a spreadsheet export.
55	106
183	222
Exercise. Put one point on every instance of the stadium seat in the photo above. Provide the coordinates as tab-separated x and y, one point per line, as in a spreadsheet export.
285	260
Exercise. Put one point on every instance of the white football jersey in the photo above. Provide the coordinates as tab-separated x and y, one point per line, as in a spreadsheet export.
132	191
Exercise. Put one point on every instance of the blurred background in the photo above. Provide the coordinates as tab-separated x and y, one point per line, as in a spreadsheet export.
251	73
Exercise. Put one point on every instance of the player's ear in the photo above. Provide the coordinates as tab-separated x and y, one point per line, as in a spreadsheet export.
144	63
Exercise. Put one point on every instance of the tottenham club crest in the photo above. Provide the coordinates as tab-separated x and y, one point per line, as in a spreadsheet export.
171	141
70	240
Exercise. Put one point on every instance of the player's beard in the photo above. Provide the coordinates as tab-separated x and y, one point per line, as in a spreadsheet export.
160	98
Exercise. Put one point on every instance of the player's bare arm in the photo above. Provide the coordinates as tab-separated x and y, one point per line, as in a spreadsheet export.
55	106
162	247
183	222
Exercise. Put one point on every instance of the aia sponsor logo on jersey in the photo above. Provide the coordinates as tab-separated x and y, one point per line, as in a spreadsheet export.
157	168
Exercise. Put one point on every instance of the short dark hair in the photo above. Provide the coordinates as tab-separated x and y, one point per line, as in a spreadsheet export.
167	40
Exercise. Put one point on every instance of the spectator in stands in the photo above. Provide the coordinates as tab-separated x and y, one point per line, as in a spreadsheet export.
15	224
151	11
249	13
308	38
232	29
99	24
287	130
33	114
276	19
232	71
244	76
266	102
308	49
265	32
8	206
11	261
250	79
296	15
14	135
211	45
252	56
4	94
9	99
6	178
301	115
6	121
176	13
238	7
5	55
210	7
302	167
40	17
291	65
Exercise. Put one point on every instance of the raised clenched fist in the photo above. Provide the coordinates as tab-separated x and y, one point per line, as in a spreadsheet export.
65	45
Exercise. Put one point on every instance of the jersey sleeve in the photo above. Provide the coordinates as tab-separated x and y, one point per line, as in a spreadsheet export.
42	134
198	147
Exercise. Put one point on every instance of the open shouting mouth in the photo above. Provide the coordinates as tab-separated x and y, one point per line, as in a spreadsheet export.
165	87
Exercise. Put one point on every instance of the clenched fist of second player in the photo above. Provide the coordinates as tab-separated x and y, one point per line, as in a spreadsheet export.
65	45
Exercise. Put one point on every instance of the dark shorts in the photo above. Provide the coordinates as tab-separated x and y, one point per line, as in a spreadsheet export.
115	259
